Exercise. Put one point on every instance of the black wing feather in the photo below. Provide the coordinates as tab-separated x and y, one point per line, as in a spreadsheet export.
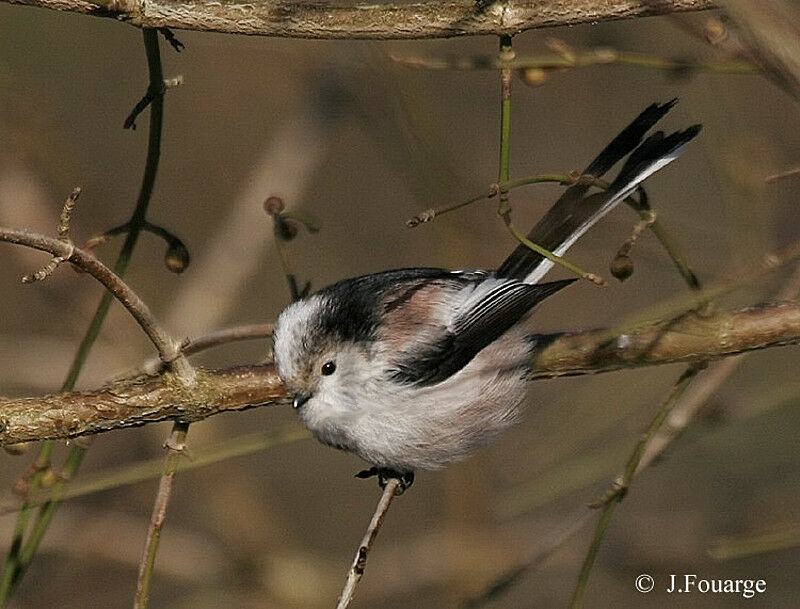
473	330
573	209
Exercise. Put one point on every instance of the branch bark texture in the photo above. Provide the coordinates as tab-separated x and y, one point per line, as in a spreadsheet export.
338	20
133	402
147	399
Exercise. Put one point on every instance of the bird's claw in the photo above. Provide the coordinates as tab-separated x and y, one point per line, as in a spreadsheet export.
405	479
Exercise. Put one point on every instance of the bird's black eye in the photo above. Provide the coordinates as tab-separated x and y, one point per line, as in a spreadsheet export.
328	368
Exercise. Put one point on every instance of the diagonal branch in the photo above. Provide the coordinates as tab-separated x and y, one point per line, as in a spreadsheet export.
332	20
168	349
356	570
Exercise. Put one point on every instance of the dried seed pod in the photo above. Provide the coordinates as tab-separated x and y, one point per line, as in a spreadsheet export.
177	257
621	267
274	205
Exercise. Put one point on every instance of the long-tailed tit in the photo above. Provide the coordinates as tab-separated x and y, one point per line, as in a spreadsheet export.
415	368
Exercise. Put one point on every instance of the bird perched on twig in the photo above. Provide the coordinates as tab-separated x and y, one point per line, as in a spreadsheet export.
416	368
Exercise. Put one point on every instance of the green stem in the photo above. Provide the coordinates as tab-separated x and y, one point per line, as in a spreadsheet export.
505	111
594	278
137	221
610	503
20	555
503	179
675	254
47	511
494	190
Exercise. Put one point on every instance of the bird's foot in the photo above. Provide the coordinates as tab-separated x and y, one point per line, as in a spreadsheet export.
384	474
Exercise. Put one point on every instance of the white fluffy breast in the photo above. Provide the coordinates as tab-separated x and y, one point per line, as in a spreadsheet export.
406	427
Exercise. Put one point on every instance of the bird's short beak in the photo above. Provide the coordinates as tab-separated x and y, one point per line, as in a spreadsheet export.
300	399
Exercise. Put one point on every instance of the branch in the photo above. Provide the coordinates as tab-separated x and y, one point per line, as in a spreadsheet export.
134	402
28	536
210	340
428	19
360	561
176	445
148	399
675	423
692	338
610	502
168	349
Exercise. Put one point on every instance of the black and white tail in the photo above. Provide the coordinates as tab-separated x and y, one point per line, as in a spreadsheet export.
574	213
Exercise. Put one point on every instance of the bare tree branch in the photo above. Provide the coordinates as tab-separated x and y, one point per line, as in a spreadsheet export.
693	338
425	19
148	399
133	402
168	349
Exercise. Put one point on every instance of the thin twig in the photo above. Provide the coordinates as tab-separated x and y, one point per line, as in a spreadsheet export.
63	235
544	549
501	190
494	190
504	200
192	346
640	205
519	236
622	266
756	543
506	54
788	173
579	59
229	335
176	445
611	502
19	556
170	37
65	219
768	33
168	349
672	418
285	230
177	257
360	561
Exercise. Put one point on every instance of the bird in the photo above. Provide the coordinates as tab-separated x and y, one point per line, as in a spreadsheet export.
415	368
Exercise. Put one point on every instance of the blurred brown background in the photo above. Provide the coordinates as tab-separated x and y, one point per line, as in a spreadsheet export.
342	132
